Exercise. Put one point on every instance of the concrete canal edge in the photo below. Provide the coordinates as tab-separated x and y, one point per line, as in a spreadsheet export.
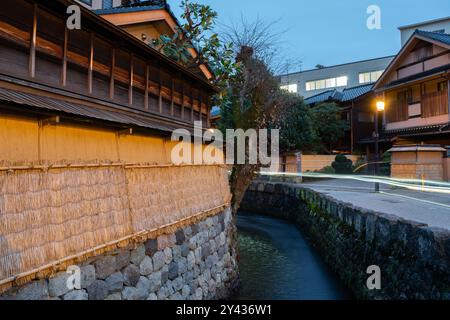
414	259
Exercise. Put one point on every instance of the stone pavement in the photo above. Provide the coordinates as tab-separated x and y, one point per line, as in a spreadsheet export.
424	207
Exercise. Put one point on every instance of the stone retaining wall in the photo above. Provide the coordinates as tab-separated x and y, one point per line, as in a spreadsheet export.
194	263
414	259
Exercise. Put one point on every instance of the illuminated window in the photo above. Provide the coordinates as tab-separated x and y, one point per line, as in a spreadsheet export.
341	81
310	85
330	83
320	84
290	88
368	77
326	83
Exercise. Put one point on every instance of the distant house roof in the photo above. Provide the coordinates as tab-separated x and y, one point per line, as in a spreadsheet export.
442	38
437	36
353	93
330	95
346	95
337	65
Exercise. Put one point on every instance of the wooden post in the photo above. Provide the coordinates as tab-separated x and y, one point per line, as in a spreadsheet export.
32	61
147	74
208	113
182	100
200	116
113	67
172	97
192	104
160	106
64	58
91	64
448	98
130	88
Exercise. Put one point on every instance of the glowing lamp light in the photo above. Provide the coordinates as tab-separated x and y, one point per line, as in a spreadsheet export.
380	106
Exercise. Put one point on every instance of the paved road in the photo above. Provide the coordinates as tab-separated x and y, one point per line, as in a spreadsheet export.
430	208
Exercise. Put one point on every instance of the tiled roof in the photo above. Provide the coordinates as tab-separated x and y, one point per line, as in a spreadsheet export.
352	93
436	36
330	95
128	118
385	136
142	6
348	94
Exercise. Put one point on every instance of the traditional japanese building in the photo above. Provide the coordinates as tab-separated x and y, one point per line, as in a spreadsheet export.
415	88
86	173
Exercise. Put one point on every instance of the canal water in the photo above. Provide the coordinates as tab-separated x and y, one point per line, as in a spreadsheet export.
277	263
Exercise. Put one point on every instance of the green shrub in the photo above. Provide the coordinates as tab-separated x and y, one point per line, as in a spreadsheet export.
326	170
342	165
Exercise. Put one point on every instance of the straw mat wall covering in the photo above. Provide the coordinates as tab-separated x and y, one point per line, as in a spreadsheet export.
49	216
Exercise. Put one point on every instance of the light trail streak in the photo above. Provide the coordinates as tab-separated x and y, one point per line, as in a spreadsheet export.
410	184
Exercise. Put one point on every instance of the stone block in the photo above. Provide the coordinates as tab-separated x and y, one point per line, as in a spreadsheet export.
168	257
137	255
173	270
166	241
87	276
58	285
35	290
146	266
180	237
98	290
151	247
158	260
76	295
104	267
115	282
122	259
131	275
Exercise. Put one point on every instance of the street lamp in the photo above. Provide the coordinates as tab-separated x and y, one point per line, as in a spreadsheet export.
380	108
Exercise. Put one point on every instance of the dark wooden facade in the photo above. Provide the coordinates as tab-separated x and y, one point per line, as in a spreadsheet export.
100	63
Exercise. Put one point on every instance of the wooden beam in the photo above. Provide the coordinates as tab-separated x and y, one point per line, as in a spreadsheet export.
160	106
50	121
91	64
208	112
192	104
64	59
113	69
130	88
448	97
125	132
147	74
200	118
32	61
172	97
182	100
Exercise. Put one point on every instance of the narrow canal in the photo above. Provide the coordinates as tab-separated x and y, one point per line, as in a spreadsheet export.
277	263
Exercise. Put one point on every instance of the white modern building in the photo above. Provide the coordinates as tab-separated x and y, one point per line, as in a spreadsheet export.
437	25
313	82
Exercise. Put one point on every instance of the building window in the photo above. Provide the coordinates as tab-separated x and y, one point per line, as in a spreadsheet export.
87	2
290	88
368	77
108	4
366	117
326	83
341	81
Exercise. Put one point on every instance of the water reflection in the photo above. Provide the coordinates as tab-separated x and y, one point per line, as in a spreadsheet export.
276	262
